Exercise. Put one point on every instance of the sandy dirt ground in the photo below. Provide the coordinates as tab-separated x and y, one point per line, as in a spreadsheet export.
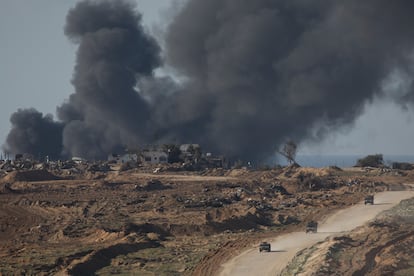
184	178
85	219
284	248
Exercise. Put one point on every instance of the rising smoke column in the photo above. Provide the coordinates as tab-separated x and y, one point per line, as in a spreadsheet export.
34	134
268	70
252	73
106	112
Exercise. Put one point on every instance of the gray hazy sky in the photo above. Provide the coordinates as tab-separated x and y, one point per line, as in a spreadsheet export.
36	64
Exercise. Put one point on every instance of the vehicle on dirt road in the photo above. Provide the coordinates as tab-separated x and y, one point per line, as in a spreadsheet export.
312	227
264	246
369	200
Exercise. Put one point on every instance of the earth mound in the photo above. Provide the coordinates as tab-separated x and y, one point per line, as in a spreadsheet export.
35	175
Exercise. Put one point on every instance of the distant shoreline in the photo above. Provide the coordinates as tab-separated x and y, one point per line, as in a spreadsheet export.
342	161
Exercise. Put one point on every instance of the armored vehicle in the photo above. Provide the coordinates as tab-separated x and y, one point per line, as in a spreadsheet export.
369	200
312	227
264	246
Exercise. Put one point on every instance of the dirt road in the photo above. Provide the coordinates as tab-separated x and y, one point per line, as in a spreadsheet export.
284	248
183	178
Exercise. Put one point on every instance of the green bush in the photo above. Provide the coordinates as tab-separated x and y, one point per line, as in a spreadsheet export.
375	160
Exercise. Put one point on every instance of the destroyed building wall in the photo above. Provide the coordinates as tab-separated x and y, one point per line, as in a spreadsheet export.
154	157
123	158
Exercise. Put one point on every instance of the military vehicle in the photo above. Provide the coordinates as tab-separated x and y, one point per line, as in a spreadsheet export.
312	227
264	246
369	200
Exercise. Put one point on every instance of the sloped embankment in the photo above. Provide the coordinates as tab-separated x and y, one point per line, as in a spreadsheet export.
384	247
34	175
101	258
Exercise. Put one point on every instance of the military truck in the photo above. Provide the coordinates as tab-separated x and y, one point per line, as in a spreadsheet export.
369	200
264	246
312	227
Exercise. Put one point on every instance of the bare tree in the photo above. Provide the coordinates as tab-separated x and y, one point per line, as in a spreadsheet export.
289	151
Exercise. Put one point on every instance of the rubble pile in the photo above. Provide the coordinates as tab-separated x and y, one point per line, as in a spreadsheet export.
31	175
45	170
64	204
152	185
6	188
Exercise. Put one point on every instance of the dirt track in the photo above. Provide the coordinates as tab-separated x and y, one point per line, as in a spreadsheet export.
64	221
185	178
284	248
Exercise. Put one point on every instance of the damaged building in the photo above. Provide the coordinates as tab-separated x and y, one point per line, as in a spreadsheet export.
123	158
154	157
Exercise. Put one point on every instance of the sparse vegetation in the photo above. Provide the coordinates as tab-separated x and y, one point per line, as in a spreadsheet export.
375	160
402	166
296	266
384	247
289	151
163	223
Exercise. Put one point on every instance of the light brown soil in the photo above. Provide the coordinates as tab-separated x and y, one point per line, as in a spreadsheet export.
165	223
383	247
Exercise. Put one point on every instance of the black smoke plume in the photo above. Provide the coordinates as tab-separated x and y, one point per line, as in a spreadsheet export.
253	73
35	134
105	113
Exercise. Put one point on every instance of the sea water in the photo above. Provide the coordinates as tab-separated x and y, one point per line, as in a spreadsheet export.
342	161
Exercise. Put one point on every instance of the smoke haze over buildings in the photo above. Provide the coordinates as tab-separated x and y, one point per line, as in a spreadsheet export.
253	74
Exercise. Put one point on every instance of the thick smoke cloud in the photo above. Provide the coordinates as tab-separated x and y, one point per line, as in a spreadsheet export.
35	134
254	73
105	113
266	71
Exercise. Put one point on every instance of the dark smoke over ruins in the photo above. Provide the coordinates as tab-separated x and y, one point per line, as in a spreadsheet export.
253	74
